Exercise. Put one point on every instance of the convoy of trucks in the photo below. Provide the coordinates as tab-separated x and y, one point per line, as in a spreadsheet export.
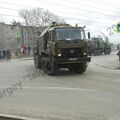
97	46
65	46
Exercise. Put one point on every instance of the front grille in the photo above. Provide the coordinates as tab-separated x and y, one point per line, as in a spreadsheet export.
71	52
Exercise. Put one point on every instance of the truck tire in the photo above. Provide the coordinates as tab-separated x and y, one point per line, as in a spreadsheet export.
100	52
95	53
37	61
109	51
90	54
81	68
44	65
106	52
50	68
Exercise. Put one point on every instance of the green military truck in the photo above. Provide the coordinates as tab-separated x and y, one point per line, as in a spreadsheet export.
97	46
61	46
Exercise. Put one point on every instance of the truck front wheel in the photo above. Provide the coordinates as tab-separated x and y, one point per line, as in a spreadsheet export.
37	61
81	68
50	68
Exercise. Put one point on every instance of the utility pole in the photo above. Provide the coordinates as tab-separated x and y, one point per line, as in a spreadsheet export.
19	35
22	36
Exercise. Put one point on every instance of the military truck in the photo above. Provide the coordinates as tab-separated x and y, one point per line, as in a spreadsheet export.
61	46
97	46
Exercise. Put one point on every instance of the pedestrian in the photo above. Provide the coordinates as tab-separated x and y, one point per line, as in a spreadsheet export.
8	55
118	46
0	54
29	49
119	55
25	50
4	54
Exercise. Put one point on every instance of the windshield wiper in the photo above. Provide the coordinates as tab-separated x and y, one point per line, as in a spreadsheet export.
70	40
76	40
64	40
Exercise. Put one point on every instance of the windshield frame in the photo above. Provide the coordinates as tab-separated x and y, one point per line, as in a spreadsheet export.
80	28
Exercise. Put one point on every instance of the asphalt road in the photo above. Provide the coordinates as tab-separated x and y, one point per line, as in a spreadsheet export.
94	95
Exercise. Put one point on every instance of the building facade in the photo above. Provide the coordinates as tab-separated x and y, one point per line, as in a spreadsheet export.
13	37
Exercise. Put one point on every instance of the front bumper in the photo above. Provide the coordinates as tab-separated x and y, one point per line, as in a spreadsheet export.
72	60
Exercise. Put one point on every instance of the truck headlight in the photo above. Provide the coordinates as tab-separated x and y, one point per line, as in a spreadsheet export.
59	54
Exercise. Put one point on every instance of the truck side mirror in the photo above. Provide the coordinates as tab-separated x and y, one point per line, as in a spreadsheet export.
89	35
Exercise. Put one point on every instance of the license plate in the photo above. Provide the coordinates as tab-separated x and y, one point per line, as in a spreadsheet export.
73	59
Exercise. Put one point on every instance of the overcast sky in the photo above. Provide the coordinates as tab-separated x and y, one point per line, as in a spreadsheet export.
97	15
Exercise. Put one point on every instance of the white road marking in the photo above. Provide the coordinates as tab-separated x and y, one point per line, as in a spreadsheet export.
53	88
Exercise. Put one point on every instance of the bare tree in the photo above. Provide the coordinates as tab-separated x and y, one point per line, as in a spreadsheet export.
39	17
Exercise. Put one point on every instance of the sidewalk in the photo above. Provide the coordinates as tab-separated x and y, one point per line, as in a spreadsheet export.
22	56
110	65
109	61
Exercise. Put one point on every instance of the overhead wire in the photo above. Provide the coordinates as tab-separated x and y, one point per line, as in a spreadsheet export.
18	10
107	3
15	4
86	5
80	19
48	2
9	9
80	9
9	15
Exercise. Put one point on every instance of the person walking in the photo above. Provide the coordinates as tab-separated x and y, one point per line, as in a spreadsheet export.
1	54
29	50
119	55
8	55
4	54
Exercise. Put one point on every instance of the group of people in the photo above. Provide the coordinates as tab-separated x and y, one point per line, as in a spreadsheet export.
5	55
25	50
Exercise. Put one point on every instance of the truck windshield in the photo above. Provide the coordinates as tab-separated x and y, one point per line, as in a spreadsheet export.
70	34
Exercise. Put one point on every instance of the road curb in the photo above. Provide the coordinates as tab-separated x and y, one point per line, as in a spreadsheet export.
19	57
104	66
14	117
